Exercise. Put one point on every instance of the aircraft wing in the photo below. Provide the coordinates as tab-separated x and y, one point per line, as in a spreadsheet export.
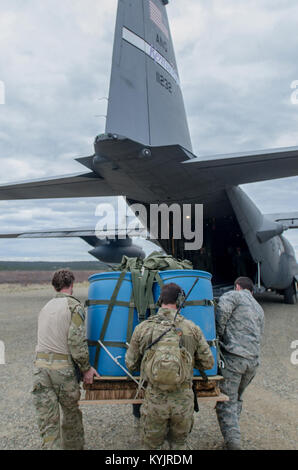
76	185
248	167
61	233
80	232
288	219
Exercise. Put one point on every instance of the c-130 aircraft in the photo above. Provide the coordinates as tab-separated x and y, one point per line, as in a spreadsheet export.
146	155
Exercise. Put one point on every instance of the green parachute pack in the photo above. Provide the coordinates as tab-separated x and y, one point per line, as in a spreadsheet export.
144	273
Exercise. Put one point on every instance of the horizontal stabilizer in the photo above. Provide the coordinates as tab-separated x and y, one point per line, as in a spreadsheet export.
76	185
122	167
248	167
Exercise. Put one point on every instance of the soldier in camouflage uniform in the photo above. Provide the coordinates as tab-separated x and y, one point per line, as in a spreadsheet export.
168	414
61	346
240	325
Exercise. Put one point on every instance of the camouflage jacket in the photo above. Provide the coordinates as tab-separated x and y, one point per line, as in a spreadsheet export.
76	340
192	339
240	324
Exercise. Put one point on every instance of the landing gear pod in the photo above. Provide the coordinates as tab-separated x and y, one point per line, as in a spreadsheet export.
290	294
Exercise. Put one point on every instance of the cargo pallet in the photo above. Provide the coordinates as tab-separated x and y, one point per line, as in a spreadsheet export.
122	390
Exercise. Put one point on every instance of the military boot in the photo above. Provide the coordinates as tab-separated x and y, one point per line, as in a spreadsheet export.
232	445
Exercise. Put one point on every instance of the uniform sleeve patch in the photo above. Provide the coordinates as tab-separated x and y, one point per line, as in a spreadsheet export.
78	316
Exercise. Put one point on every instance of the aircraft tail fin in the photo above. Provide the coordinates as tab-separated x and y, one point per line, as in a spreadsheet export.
145	99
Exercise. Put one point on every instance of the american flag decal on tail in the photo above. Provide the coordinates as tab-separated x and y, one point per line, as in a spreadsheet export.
157	18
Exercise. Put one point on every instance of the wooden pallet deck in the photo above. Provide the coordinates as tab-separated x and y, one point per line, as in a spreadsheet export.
122	390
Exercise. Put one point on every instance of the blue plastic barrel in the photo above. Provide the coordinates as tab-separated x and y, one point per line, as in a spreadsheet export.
118	330
203	316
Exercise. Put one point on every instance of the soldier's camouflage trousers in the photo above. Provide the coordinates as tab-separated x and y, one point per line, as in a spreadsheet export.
52	388
238	373
167	415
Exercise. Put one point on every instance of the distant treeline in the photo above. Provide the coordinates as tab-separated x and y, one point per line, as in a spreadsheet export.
52	266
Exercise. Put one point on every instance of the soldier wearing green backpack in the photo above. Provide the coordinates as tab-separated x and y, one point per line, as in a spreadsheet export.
166	348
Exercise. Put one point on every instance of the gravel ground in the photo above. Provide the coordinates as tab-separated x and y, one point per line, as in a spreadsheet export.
270	414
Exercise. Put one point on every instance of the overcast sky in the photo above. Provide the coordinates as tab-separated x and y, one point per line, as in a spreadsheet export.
237	60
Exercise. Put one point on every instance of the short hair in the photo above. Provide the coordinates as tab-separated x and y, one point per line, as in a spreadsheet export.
169	293
62	278
245	283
